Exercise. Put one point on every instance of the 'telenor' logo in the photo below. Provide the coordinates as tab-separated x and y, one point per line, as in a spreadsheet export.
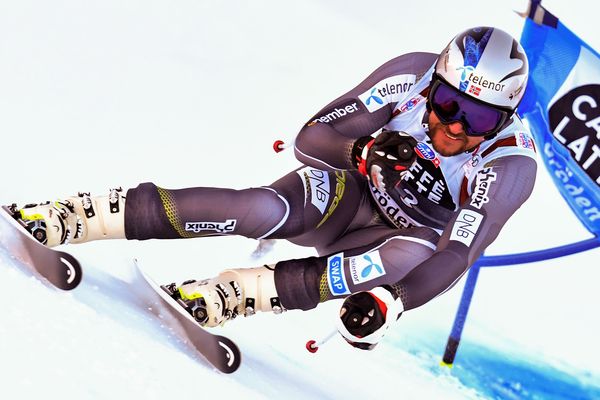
369	267
372	96
366	267
464	82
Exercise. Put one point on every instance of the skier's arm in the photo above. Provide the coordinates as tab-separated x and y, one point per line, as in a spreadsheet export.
327	139
504	187
504	184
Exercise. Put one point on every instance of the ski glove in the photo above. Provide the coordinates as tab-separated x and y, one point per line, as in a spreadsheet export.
366	316
384	158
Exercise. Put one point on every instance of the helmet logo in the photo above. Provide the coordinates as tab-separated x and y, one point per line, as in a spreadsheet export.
465	70
464	81
475	90
515	93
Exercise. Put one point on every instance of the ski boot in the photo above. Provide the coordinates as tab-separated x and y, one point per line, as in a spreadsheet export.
212	302
75	219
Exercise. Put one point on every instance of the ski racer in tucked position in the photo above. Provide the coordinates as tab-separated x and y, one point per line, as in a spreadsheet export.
408	177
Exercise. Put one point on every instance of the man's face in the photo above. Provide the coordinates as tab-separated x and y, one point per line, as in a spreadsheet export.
450	140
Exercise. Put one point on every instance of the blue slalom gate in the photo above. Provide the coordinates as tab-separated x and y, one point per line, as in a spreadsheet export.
562	107
499	261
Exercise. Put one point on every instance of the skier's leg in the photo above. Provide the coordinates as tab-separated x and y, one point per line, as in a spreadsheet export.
331	204
150	212
153	212
381	256
300	202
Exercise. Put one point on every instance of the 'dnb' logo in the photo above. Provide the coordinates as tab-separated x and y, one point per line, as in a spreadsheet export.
367	270
376	99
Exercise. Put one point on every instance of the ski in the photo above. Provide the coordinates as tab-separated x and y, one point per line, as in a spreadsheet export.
218	350
57	267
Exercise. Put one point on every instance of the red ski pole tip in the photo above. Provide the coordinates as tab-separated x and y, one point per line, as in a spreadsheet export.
310	346
278	146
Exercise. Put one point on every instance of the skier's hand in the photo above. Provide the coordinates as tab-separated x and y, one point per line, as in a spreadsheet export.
385	158
366	316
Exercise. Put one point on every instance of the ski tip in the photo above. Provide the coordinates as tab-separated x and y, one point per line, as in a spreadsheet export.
72	273
231	356
219	351
58	268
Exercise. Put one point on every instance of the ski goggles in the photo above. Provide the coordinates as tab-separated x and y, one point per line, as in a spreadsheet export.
477	118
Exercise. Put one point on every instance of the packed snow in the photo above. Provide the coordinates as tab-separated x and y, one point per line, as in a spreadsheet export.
95	95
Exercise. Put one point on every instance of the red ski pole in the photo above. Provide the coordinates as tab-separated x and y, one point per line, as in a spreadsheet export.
312	345
280	145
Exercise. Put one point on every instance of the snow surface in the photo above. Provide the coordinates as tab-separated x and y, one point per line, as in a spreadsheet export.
95	95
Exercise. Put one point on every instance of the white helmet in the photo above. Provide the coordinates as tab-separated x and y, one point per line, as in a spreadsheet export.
487	64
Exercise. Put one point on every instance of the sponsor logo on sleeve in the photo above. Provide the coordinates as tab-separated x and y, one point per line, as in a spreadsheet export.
470	165
336	278
316	184
410	104
387	91
366	267
484	180
524	141
338	112
466	226
221	227
340	188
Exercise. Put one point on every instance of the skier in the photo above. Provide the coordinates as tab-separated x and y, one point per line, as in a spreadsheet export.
408	177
